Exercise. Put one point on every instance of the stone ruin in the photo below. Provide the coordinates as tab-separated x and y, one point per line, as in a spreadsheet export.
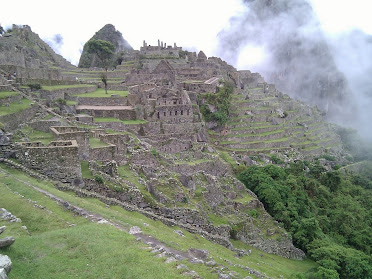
164	83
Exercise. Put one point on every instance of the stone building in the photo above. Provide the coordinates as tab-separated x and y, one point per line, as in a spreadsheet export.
161	50
59	160
64	133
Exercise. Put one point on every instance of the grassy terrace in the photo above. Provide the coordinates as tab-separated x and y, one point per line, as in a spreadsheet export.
192	163
253	142
255	135
256	127
100	92
35	135
57	87
85	172
254	150
112	119
4	94
15	107
96	143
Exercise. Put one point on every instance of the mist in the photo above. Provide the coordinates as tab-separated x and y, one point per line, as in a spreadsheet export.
289	48
55	42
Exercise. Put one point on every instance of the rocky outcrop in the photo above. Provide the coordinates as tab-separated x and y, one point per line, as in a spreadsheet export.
107	33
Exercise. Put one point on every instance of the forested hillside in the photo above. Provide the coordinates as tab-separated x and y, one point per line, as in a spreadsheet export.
328	213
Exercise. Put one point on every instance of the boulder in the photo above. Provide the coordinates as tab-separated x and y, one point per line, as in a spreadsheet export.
134	230
3	274
4	140
6	241
197	253
5	263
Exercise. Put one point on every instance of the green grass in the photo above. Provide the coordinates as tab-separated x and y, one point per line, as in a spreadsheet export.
284	139
100	92
106	119
15	107
57	87
85	250
48	116
255	135
193	162
54	249
4	94
96	143
71	103
112	119
85	171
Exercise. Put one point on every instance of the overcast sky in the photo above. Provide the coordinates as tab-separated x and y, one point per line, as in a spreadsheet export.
192	24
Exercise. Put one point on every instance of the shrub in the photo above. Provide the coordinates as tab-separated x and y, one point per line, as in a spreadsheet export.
99	179
154	152
34	86
61	101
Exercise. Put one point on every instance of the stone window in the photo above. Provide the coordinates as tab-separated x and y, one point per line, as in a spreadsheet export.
158	115
165	114
188	112
181	112
170	112
175	113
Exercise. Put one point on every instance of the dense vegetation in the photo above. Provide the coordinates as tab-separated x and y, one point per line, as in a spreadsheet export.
221	101
328	214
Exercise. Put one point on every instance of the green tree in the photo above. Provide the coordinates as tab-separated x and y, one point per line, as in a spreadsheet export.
2	31
104	51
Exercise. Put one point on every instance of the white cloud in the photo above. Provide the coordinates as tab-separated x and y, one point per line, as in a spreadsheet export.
341	15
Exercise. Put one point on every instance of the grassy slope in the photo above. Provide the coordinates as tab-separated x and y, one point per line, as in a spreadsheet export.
15	107
61	245
90	250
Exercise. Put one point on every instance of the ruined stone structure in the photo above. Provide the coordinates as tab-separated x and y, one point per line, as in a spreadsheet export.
58	160
65	133
160	51
158	137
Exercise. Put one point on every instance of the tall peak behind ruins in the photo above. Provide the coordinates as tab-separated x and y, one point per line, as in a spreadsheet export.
106	33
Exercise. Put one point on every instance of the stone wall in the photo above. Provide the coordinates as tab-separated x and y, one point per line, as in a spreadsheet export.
24	73
44	125
120	142
11	121
10	99
60	93
65	133
174	145
106	153
200	87
103	101
179	113
58	160
141	88
126	113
